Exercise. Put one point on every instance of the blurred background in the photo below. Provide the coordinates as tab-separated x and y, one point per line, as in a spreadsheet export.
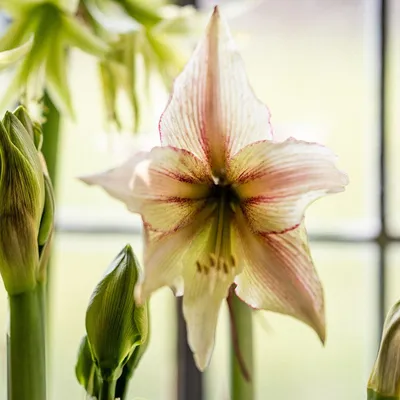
317	64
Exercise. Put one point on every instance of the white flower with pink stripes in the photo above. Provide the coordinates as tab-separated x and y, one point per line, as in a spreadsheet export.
221	202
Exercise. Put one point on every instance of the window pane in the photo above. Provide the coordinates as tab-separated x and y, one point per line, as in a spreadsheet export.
290	361
312	63
393	117
80	262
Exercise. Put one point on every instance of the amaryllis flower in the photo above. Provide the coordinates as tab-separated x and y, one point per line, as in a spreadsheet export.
221	202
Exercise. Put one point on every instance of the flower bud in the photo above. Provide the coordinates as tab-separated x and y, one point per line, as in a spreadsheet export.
115	325
22	191
384	382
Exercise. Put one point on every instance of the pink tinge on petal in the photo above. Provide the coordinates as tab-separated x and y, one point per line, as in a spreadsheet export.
167	186
172	186
279	276
213	111
277	181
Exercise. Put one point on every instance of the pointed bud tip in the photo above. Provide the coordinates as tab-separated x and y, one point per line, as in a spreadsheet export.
128	249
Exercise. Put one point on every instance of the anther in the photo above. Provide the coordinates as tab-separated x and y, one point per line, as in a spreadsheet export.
205	269
213	260
198	266
225	266
233	261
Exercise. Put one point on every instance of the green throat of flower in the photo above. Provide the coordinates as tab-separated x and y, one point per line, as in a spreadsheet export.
221	260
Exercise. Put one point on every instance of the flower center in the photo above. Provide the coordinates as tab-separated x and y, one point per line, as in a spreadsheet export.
221	260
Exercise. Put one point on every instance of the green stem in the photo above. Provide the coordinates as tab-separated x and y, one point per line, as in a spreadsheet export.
242	380
27	359
51	137
51	140
107	391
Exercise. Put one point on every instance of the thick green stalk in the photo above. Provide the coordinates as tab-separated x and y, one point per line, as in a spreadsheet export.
51	137
27	360
242	379
107	391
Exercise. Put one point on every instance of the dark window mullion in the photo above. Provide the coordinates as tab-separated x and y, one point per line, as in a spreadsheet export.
384	238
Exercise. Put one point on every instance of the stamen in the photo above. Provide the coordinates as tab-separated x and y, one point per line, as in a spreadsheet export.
213	260
198	266
225	266
219	262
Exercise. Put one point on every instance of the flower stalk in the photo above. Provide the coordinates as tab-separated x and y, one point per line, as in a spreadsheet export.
241	363
107	391
27	359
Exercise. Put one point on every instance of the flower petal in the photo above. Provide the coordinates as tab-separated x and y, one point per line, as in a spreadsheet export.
9	57
167	254
167	186
205	289
80	36
201	305
213	112
279	276
277	181
172	260
57	77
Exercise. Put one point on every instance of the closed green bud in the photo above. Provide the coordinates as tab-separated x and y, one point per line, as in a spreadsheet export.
384	382
115	325
22	191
